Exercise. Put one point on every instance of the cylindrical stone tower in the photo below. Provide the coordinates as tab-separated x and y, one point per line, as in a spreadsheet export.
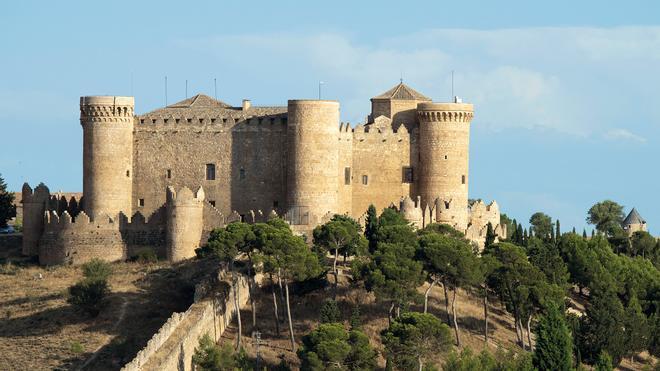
444	142
312	159
107	123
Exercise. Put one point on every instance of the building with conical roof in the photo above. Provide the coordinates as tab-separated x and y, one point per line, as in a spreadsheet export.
634	222
252	162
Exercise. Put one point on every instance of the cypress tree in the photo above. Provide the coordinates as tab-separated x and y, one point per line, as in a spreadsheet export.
514	232
584	233
490	236
557	229
593	233
552	236
554	345
7	207
574	231
604	362
371	226
519	241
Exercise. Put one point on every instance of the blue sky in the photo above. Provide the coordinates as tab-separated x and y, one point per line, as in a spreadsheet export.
565	92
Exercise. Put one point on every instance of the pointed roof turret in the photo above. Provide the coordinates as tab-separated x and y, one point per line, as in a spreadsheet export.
633	218
402	92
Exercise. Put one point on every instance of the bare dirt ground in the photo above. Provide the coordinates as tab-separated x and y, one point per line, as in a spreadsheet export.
305	304
39	330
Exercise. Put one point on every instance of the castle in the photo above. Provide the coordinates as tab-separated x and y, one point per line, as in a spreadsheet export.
164	179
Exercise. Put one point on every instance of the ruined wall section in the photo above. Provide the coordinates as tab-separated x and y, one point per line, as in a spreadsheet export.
382	156
35	203
249	156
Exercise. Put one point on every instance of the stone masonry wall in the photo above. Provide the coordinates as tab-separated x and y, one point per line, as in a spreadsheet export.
172	347
381	156
249	158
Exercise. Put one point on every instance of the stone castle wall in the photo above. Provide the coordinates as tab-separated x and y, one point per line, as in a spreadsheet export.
382	156
249	158
172	347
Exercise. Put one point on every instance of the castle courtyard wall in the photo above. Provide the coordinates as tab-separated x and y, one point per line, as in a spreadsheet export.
249	158
381	155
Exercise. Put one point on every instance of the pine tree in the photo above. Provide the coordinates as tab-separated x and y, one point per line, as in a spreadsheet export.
636	327
330	312
554	345
356	320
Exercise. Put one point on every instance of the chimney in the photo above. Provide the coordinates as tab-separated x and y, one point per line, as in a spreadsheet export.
246	104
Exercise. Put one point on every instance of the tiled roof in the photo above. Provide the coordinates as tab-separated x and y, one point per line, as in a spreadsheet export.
402	92
202	105
633	218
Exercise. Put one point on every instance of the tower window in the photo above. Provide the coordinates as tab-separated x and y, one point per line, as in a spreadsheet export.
169	173
462	179
128	173
445	157
210	171
407	174
365	179
212	202
276	204
347	175
241	174
141	202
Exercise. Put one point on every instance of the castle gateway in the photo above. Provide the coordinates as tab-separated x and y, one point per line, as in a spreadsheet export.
166	178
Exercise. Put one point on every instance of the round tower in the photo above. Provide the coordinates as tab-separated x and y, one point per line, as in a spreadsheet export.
444	141
312	159
107	124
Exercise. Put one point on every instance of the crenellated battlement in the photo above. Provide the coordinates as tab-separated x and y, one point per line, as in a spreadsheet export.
445	112
106	109
272	122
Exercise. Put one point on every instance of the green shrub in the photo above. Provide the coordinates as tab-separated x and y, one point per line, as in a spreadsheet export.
76	347
209	356
145	256
89	296
8	268
330	312
97	270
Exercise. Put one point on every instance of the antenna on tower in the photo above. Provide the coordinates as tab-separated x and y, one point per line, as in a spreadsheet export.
186	89
320	83
166	91
215	88
401	76
452	84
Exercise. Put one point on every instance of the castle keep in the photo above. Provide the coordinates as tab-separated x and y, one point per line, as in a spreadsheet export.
166	178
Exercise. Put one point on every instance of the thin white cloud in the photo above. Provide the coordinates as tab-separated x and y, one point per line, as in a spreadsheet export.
577	81
623	135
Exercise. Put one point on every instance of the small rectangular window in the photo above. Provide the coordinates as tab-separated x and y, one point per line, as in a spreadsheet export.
210	171
347	175
407	174
212	203
276	204
169	173
365	179
141	202
128	173
462	179
241	174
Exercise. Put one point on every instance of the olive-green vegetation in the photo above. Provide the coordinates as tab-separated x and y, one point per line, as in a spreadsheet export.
7	208
89	294
531	273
